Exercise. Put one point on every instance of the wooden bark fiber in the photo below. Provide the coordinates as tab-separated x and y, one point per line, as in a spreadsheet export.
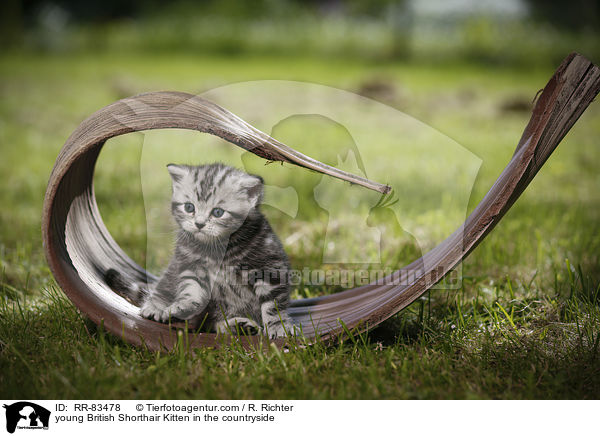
79	248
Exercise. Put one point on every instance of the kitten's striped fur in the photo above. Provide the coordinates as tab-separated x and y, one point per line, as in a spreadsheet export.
229	270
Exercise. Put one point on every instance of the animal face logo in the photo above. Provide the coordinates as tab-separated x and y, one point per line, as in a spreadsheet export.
24	414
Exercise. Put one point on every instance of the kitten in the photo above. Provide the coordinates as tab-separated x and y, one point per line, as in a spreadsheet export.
229	268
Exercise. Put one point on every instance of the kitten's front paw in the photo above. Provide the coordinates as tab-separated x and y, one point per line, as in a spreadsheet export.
279	329
152	311
237	325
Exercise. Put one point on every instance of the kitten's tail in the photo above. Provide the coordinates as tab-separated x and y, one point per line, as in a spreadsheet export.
128	289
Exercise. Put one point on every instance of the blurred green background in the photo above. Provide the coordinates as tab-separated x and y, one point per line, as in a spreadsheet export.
511	32
469	70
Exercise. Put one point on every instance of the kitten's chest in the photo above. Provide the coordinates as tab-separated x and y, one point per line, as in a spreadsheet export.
226	278
233	294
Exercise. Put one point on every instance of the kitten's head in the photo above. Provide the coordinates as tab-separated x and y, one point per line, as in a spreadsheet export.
212	201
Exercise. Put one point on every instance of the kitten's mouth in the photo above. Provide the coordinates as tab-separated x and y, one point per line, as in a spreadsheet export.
205	237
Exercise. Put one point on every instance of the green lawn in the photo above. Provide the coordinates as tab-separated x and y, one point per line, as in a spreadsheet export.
525	324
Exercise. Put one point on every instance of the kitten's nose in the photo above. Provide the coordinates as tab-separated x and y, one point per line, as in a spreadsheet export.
200	225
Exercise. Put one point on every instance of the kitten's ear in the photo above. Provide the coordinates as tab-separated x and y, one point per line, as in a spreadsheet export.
177	172
254	188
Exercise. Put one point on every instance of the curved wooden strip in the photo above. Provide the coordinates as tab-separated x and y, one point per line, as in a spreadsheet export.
79	248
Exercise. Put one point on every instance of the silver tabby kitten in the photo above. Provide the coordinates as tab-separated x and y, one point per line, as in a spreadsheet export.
229	268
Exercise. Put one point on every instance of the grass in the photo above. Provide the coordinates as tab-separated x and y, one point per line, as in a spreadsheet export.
525	324
459	347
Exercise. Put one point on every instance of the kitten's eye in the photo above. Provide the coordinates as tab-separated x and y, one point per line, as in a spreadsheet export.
217	212
188	207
